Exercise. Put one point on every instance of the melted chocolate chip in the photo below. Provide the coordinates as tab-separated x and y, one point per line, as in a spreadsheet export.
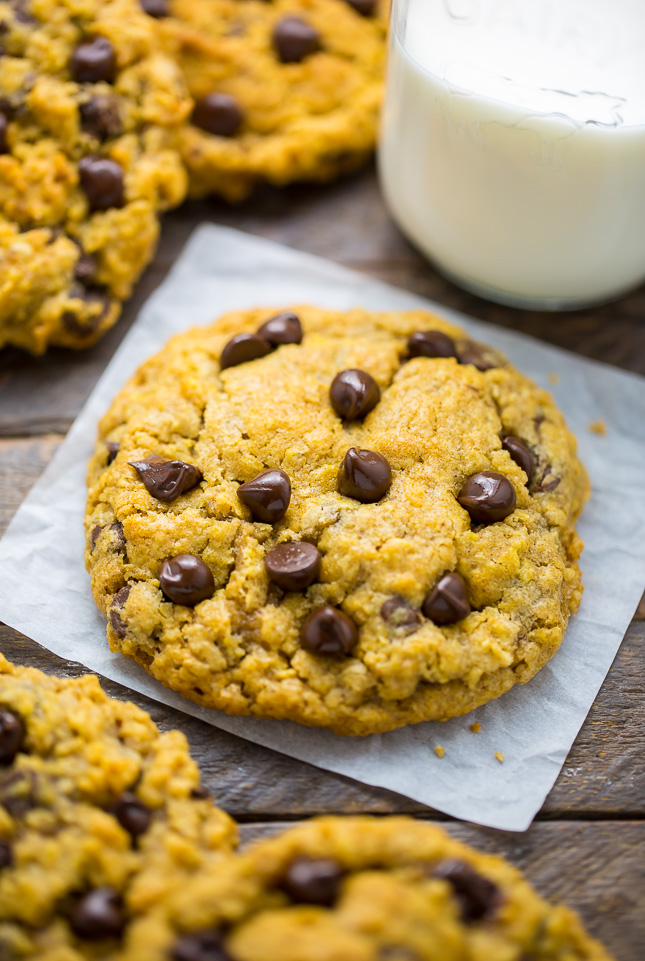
12	736
267	496
431	343
19	792
398	613
6	855
102	182
448	601
242	348
100	116
132	814
353	394
488	497
365	7
282	329
4	146
86	268
93	60
112	449
218	114
118	603
155	8
364	475
480	357
94	536
118	537
166	479
520	453
293	566
328	632
84	326
186	579
98	916
294	39
313	881
547	482
477	896
199	946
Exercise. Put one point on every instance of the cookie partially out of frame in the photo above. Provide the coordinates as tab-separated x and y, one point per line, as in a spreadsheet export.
361	889
88	108
284	91
351	520
101	816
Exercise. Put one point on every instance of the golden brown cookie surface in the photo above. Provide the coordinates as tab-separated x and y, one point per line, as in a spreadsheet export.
360	570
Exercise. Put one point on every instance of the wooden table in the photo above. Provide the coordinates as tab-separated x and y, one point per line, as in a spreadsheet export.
587	845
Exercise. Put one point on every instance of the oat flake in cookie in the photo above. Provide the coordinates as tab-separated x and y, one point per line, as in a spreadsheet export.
434	573
89	109
287	90
101	816
361	889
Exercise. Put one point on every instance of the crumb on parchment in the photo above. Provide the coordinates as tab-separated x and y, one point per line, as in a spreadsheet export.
598	427
499	756
476	727
439	750
554	378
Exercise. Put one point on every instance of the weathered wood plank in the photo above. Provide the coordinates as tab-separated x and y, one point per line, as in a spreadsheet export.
598	869
22	461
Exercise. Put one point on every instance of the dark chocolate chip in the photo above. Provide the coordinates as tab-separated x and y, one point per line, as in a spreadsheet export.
243	348
98	916
112	449
186	579
267	496
431	343
93	60
118	603
549	484
488	497
83	326
199	946
448	601
400	615
19	792
86	268
155	8
328	632
100	116
94	536
365	7
102	182
166	479
200	793
12	736
282	329
480	357
520	453
4	146
353	394
364	475
293	566
313	881
132	814
477	896
294	39
6	855
219	114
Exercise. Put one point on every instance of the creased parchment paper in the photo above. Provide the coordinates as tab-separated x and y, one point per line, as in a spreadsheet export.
45	593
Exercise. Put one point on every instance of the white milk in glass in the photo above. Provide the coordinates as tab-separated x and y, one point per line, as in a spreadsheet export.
513	144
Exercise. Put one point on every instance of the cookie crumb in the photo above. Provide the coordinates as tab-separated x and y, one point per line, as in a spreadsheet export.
499	756
439	750
476	727
554	378
598	427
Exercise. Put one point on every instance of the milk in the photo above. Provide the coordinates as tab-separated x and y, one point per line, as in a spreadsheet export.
513	144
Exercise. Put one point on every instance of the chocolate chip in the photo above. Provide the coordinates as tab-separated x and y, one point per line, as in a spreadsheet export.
102	182
6	855
448	601
328	632
293	566
400	615
21	12
267	496
199	946
115	529
155	8
166	479
100	116
313	881
4	146
200	793
488	497
186	579
549	483
98	915
132	814
86	268
353	394
431	343
12	736
365	7
19	792
294	39
477	896
364	475
94	535
219	114
112	449
282	329
118	603
480	357
93	60
84	325
243	348
520	453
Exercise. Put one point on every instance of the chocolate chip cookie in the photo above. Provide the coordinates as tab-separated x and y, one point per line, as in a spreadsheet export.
284	91
89	105
363	889
101	816
350	520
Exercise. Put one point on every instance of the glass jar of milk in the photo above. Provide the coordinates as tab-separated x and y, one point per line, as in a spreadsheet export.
513	144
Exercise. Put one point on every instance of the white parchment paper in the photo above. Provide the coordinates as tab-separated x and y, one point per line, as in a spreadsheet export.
44	589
